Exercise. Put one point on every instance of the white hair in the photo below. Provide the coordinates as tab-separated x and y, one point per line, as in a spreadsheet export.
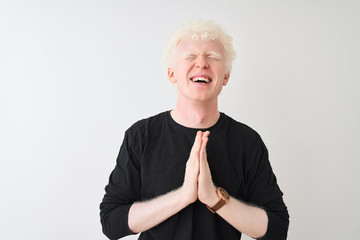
200	30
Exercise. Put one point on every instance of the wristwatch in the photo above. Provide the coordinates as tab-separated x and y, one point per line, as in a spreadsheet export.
223	199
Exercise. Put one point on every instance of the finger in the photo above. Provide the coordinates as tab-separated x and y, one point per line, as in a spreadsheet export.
206	134
204	140
197	143
203	145
194	157
197	162
203	155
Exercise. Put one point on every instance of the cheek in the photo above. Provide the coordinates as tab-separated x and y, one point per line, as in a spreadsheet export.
183	69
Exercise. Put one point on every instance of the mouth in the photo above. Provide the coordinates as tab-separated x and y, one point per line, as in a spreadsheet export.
201	79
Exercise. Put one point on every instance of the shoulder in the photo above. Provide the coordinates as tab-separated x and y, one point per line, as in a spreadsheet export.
240	129
143	126
242	135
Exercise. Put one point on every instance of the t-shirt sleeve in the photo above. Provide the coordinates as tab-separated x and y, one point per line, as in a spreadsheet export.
121	192
263	191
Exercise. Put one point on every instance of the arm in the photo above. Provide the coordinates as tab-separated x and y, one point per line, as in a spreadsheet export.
147	214
270	222
248	219
251	220
120	192
121	212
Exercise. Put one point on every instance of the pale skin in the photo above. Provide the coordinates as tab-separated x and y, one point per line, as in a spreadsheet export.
197	107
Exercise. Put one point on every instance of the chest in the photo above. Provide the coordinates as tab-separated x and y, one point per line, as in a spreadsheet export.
164	159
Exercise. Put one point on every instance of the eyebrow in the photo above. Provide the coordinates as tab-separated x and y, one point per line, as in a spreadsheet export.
214	54
186	54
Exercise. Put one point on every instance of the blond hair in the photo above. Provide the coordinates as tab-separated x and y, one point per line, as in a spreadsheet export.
200	30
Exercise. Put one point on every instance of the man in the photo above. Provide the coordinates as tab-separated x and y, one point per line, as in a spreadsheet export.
193	172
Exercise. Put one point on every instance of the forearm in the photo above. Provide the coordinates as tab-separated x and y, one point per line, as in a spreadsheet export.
148	214
251	220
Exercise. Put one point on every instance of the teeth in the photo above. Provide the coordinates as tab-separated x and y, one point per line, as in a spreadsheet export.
201	79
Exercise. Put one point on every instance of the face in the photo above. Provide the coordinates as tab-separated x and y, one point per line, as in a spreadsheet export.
199	69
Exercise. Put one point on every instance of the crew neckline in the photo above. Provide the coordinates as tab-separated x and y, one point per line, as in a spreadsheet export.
175	124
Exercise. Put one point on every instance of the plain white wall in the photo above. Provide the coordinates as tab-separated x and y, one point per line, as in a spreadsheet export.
76	74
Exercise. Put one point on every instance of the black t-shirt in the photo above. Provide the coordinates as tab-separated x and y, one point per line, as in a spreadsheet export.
151	162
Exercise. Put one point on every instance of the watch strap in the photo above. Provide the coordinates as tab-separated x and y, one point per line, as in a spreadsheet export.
217	206
222	200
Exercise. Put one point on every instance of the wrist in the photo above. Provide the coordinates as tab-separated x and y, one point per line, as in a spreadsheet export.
185	197
213	198
223	198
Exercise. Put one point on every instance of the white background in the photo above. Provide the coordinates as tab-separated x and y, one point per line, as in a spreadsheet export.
76	74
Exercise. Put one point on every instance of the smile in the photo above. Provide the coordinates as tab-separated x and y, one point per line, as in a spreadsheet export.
201	79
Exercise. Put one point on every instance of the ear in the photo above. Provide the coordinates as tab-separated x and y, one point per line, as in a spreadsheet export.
171	75
226	79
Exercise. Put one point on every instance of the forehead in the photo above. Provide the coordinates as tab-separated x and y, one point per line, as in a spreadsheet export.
199	46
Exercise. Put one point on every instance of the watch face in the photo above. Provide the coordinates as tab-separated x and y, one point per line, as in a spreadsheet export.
224	194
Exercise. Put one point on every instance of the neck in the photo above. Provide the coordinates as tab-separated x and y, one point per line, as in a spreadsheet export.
196	114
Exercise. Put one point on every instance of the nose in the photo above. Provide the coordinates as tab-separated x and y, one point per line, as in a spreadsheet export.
202	63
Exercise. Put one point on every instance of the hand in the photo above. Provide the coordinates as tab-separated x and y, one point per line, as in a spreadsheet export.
190	185
206	188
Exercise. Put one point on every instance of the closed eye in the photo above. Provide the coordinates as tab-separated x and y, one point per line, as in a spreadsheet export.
213	58
190	57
